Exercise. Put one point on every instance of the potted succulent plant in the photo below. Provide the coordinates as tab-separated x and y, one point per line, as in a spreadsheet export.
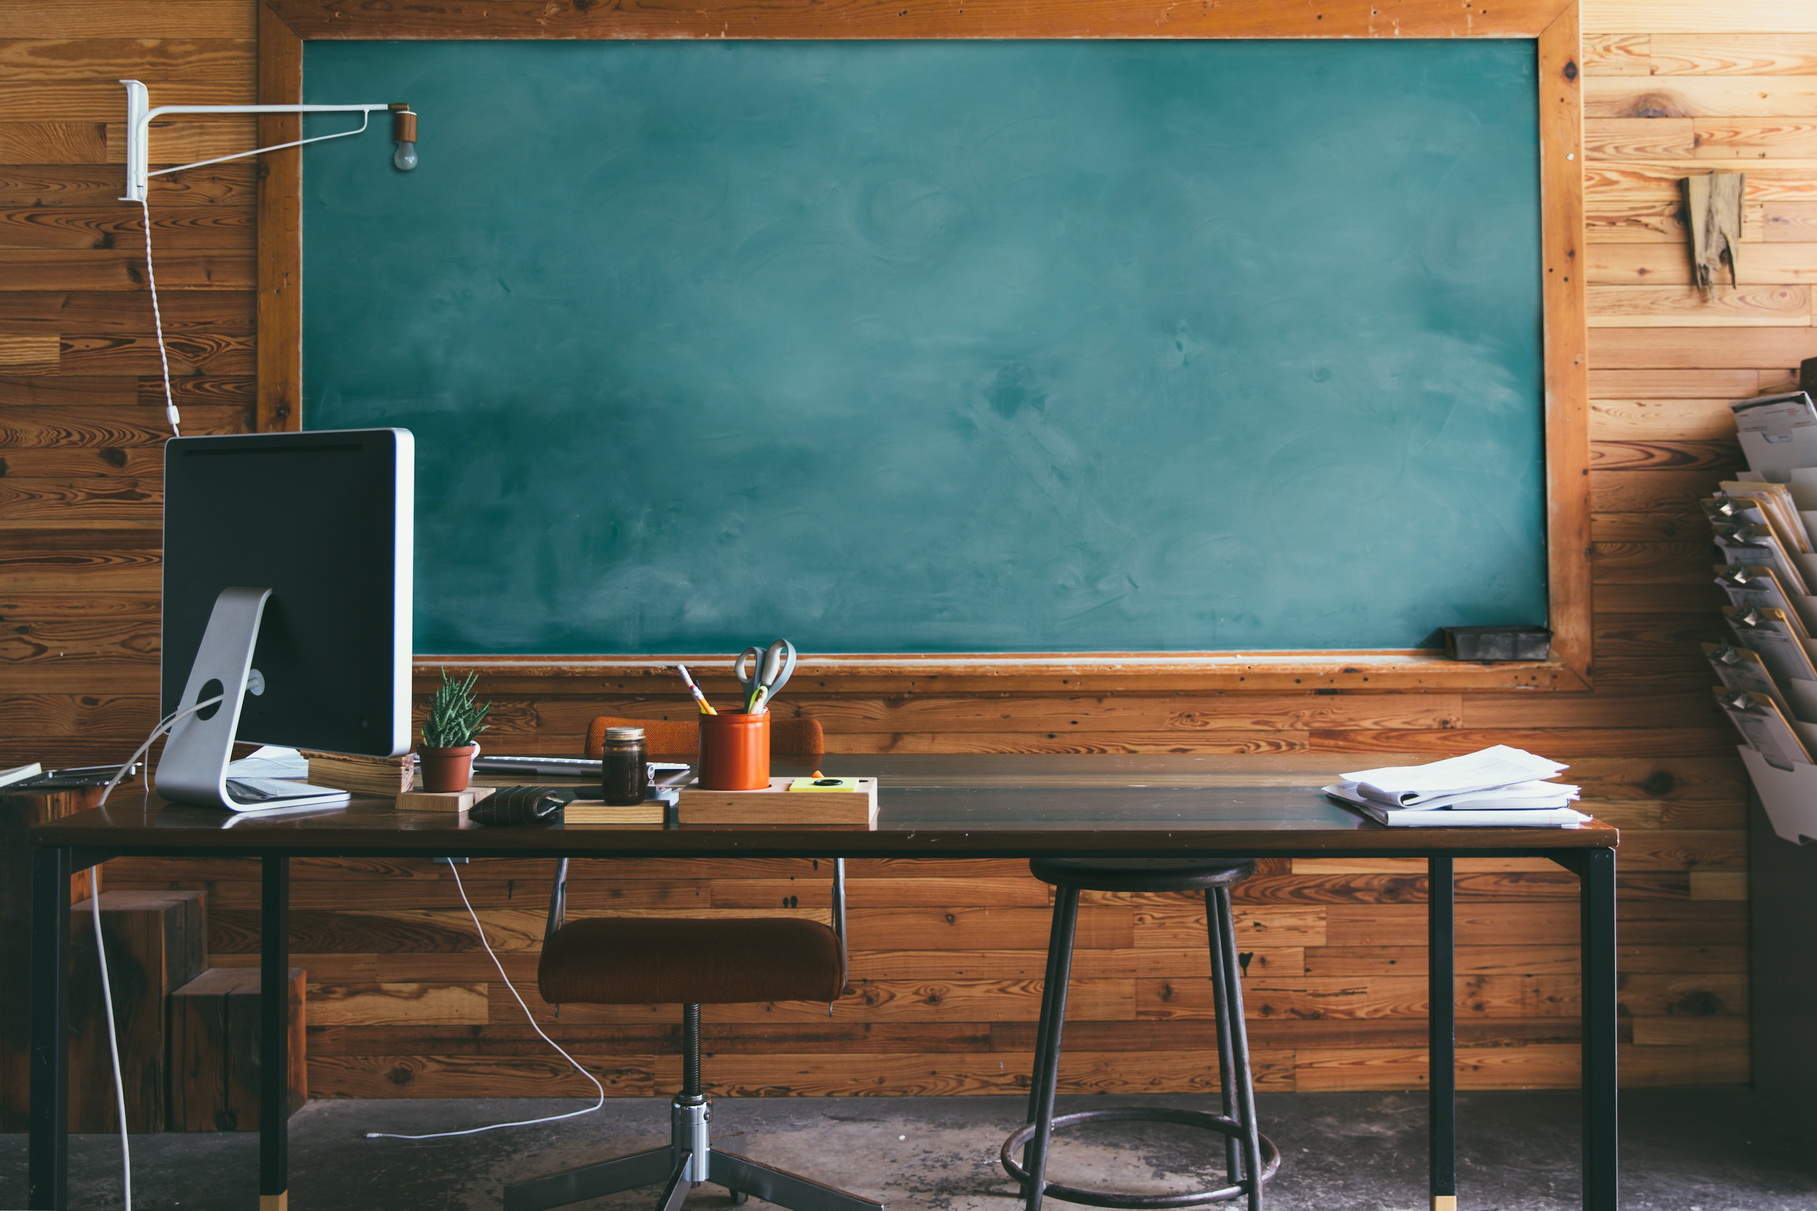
454	719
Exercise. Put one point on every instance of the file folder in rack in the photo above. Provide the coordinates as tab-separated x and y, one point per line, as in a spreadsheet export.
1778	756
1789	796
1752	586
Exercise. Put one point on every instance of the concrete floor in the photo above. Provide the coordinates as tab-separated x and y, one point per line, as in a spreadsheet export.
1683	1150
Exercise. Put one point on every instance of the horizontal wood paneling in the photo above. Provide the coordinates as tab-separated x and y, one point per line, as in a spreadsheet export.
1700	96
1752	17
1731	55
99	185
948	956
113	19
114	269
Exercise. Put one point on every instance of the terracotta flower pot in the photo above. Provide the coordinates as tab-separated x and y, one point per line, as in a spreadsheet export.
447	769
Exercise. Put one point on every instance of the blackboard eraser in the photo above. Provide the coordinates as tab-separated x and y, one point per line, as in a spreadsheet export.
1497	643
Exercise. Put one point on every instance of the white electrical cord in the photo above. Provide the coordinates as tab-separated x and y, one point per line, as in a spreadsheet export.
599	1103
151	281
94	891
107	1000
113	1041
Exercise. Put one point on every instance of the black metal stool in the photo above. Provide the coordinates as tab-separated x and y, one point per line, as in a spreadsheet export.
1250	1158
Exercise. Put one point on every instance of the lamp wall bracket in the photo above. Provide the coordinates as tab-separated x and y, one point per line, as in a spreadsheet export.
139	116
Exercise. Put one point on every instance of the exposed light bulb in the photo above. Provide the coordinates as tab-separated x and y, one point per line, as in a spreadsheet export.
403	130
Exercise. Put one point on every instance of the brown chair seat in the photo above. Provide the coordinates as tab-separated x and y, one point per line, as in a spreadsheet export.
637	961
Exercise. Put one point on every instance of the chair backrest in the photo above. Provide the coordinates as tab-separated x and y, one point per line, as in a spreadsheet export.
796	737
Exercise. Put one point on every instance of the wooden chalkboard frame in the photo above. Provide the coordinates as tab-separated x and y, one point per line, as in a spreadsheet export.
284	26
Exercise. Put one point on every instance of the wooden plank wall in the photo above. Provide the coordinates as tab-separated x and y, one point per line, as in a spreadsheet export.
948	955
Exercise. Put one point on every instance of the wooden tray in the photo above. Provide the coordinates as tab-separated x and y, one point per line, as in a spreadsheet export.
779	805
452	802
596	811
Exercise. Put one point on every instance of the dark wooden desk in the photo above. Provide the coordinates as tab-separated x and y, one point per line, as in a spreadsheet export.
931	806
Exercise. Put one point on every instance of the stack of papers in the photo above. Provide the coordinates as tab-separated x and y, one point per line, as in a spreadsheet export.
1499	787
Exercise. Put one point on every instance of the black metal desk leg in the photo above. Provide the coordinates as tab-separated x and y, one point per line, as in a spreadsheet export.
274	1035
1441	959
48	1179
1596	886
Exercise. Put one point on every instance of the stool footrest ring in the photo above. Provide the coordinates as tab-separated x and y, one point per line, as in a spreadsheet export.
1202	1119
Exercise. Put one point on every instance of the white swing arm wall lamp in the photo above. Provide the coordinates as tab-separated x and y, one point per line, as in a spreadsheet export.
139	115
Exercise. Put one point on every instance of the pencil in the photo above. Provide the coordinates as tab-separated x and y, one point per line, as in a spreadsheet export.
706	708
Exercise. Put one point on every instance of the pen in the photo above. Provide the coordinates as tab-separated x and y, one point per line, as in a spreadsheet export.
706	708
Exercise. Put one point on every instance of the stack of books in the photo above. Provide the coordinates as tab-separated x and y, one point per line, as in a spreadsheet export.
1498	787
388	776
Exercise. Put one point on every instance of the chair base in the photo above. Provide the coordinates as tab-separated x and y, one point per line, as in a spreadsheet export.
689	1160
1202	1119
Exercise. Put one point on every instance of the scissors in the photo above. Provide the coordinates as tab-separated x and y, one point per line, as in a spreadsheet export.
770	671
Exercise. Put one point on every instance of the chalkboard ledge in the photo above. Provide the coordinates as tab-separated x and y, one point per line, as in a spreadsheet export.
974	672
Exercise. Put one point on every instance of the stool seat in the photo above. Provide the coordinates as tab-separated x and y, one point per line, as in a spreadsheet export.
636	961
1139	874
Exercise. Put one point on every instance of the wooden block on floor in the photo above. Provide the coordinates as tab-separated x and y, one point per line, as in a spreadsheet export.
780	805
156	943
453	802
214	1050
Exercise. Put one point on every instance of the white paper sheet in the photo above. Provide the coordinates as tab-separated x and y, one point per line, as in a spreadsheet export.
1407	785
270	762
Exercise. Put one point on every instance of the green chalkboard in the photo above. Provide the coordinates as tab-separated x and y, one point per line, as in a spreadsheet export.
937	347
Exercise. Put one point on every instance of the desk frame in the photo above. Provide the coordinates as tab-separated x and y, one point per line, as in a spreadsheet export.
56	858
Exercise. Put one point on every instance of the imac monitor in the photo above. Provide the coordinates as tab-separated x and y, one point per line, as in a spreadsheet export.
287	578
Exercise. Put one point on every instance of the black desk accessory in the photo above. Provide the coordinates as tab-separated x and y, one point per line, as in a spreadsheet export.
522	805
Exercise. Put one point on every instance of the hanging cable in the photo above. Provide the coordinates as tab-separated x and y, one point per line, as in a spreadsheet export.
107	993
113	1042
157	318
598	1103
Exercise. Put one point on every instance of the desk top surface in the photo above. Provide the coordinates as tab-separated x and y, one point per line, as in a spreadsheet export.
933	805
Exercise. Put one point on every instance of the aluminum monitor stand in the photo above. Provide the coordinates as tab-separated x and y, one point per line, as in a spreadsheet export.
193	768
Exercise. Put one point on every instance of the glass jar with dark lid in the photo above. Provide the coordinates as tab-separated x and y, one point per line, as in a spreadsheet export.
623	770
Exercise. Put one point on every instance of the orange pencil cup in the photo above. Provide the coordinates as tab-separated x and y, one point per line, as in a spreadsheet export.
735	752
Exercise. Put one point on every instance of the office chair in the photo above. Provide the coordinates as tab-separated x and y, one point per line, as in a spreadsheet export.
636	961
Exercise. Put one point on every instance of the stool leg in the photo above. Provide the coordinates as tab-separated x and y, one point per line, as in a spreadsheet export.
1052	986
1239	1041
1047	1042
1227	1074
